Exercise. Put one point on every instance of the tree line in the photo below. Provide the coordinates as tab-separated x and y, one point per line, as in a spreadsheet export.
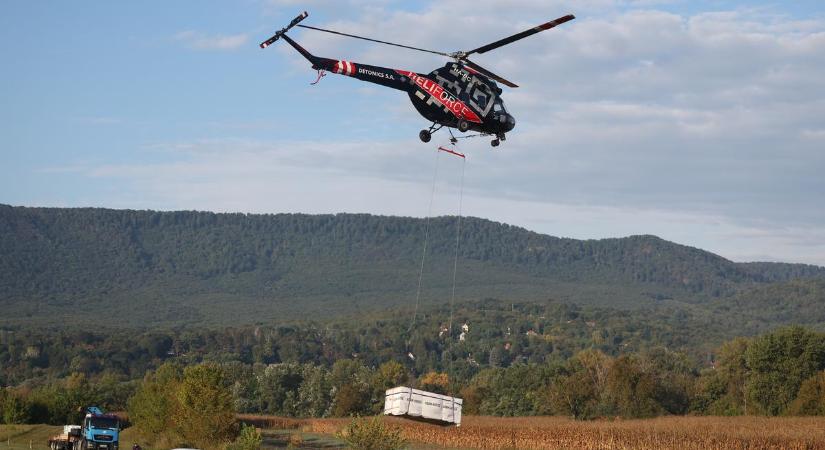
779	373
498	334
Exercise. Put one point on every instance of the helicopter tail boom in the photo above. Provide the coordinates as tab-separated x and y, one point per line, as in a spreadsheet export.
318	62
402	80
364	72
373	74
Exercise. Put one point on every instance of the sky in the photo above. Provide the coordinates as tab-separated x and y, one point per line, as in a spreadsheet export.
701	122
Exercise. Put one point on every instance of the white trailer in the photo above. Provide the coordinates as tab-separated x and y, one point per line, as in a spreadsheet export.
416	404
67	440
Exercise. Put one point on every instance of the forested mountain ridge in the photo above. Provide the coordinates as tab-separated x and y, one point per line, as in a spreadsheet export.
185	267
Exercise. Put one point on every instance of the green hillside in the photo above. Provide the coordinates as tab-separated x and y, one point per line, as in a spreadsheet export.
144	268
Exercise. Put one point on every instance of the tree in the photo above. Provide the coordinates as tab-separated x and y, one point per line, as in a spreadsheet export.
61	403
279	388
204	413
496	358
574	396
389	375
151	407
674	376
4	395
722	391
435	382
581	392
314	392
810	401
779	362
350	381
15	410
350	400
630	389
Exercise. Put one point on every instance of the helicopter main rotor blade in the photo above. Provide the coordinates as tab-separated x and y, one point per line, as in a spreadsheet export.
375	40
475	67
522	35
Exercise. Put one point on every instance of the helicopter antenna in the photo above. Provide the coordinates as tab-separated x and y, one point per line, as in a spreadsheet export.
376	40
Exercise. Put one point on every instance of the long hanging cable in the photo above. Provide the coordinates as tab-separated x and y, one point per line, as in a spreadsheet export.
421	271
423	253
455	271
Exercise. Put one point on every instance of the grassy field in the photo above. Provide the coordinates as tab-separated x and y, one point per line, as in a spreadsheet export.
273	438
563	433
22	436
523	433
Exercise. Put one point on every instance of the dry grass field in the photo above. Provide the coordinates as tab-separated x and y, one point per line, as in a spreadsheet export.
26	436
563	433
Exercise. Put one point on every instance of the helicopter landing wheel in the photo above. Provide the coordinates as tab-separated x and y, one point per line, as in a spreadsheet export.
463	125
495	142
425	136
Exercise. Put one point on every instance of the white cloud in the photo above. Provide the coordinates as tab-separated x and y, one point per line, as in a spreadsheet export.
394	178
703	129
200	41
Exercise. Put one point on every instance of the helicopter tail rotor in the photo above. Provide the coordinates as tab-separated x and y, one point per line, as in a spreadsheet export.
278	35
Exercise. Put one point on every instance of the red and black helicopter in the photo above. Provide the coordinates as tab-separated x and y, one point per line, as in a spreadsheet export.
461	95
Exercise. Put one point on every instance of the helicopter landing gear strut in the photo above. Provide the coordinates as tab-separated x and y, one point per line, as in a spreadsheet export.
499	137
426	135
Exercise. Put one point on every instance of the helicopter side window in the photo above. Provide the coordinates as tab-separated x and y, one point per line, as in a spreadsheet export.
499	107
483	97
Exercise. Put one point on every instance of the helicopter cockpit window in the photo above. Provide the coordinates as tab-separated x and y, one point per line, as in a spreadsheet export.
481	100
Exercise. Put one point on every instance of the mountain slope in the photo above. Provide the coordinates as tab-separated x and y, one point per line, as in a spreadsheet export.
179	268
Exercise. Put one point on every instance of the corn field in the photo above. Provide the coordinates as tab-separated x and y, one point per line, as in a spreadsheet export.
563	433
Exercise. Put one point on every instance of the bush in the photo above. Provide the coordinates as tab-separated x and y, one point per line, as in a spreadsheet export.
151	407
438	383
249	439
295	441
372	434
15	411
779	362
204	412
350	400
811	398
192	407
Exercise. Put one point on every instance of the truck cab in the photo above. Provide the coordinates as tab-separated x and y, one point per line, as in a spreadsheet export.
99	431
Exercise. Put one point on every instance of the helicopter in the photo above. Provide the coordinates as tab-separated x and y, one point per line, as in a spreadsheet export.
461	95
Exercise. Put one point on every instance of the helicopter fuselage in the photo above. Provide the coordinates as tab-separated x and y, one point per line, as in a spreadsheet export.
454	96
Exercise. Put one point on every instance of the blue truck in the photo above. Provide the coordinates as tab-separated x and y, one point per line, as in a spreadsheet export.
99	431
